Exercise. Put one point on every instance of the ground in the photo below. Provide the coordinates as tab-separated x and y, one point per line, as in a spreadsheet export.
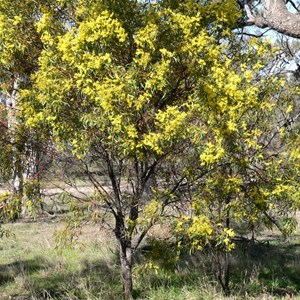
31	268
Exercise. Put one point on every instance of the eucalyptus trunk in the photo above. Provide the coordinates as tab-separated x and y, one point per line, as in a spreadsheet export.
24	155
11	106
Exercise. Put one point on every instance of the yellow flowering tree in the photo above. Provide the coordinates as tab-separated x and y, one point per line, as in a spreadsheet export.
246	153
161	95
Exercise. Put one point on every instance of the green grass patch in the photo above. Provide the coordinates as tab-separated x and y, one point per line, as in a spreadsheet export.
30	268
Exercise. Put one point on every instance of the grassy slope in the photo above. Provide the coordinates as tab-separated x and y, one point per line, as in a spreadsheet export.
31	269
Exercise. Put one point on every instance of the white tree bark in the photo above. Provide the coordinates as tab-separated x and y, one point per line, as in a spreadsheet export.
275	15
11	106
24	156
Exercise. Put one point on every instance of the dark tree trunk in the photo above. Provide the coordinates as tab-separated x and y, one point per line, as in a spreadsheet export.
223	271
226	274
226	258
125	253
223	258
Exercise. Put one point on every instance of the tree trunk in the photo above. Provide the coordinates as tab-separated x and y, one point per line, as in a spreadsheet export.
31	179
226	274
125	253
24	156
223	270
11	106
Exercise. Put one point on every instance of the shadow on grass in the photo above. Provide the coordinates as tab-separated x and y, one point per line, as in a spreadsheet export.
41	279
265	267
8	272
255	269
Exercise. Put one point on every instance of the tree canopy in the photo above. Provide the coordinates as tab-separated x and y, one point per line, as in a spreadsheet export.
182	114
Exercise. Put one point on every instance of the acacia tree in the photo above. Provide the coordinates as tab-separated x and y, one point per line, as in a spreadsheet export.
155	92
252	178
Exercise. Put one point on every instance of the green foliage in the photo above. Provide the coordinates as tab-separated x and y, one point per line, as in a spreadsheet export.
5	152
159	89
11	205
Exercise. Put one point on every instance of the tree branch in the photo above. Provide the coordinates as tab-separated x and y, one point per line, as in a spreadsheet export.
275	15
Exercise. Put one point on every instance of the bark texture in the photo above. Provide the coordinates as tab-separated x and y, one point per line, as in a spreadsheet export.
126	269
24	154
275	15
11	106
125	255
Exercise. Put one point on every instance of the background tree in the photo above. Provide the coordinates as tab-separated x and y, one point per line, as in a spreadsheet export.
19	49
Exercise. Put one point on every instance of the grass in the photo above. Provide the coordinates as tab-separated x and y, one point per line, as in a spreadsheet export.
273	269
30	268
29	265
